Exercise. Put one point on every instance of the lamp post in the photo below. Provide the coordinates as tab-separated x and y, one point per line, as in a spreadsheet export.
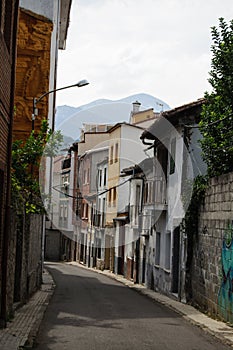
81	83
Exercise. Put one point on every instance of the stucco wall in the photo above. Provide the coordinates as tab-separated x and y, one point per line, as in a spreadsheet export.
213	250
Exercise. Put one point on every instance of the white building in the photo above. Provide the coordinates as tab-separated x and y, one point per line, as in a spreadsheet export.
177	161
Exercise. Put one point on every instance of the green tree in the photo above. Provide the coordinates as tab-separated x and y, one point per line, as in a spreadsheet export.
217	113
26	157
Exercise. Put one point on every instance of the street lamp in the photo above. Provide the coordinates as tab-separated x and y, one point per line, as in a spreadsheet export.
81	83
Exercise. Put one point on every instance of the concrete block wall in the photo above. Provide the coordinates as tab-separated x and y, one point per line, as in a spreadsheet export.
34	275
24	266
213	251
11	266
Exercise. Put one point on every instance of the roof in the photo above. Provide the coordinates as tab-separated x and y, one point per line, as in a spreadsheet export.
143	111
118	125
186	113
94	150
64	22
140	168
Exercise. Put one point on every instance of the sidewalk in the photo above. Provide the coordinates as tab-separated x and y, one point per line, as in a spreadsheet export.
217	328
21	331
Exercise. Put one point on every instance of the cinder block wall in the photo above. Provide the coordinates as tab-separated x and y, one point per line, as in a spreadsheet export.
212	266
24	258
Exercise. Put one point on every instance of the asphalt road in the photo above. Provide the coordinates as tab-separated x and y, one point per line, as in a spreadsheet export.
89	311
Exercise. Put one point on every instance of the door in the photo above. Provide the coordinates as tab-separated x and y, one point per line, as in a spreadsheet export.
176	260
121	249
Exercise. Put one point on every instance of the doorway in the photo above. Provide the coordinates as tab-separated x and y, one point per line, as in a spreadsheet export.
176	260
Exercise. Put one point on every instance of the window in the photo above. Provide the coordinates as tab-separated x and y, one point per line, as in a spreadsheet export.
103	212
172	156
84	176
105	176
98	246
114	196
109	197
111	155
157	248
116	152
149	192
85	210
100	178
167	250
137	204
99	205
61	211
87	207
65	212
146	193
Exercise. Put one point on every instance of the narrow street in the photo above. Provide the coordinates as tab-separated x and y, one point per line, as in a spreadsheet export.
91	311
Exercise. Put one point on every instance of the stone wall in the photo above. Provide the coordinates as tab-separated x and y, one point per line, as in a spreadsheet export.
24	268
212	266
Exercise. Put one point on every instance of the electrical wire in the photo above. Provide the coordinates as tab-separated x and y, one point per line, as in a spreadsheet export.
65	194
99	194
206	126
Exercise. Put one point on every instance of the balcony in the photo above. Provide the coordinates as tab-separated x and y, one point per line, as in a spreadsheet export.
155	193
160	191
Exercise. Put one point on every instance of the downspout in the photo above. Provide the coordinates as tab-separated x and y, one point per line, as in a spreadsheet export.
7	221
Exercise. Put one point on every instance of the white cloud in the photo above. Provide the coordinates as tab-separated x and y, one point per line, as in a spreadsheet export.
130	46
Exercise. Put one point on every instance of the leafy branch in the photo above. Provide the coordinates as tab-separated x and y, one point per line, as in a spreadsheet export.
217	142
26	157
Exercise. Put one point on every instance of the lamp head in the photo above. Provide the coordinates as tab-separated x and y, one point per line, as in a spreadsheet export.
82	83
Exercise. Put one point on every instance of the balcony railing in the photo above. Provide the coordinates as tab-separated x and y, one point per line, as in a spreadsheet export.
155	191
160	191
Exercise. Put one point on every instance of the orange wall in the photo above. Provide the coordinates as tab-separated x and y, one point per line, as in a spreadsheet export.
32	70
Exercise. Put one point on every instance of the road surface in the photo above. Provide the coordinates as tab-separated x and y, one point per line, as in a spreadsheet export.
90	311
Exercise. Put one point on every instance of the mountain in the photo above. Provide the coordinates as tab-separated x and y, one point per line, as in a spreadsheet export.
70	119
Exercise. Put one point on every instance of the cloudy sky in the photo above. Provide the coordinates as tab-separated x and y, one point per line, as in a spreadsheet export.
123	47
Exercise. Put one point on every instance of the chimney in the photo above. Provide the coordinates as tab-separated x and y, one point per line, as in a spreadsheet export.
136	106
